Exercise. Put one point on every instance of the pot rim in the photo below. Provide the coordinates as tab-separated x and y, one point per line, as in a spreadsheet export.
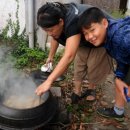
44	96
35	123
19	114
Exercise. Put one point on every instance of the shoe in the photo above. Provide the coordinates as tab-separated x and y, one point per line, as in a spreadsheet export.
75	98
88	93
110	113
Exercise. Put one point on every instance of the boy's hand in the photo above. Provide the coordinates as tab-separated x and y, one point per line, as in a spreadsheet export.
43	88
120	86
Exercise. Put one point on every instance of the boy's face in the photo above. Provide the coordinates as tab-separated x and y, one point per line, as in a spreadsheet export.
96	33
56	30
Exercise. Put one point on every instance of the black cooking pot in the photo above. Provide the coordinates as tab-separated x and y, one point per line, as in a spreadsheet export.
28	119
42	76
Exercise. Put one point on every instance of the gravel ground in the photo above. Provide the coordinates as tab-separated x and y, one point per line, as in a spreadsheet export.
83	116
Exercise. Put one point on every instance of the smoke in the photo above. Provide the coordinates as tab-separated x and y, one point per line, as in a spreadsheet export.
14	82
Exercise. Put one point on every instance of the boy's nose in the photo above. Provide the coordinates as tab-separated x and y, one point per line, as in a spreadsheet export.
90	36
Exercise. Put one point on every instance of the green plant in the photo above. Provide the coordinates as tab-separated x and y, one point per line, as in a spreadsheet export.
14	26
11	26
88	119
27	57
3	34
21	62
117	14
69	108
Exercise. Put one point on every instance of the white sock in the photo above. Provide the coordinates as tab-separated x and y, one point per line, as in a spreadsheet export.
119	110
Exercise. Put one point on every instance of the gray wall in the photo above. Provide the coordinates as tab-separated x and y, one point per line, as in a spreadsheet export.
9	7
108	5
41	35
128	7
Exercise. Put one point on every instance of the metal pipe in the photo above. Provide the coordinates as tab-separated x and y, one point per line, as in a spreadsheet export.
128	8
31	23
128	4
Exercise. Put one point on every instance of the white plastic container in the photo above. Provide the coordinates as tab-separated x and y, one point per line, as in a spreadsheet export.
47	67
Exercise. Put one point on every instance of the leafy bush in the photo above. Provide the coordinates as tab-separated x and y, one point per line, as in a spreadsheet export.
24	56
117	14
27	57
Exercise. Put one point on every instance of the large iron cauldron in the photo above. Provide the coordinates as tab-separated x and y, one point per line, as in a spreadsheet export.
28	119
40	76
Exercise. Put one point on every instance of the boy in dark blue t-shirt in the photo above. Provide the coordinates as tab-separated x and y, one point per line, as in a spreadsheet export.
114	35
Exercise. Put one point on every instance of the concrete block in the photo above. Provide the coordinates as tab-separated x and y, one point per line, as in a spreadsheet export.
56	91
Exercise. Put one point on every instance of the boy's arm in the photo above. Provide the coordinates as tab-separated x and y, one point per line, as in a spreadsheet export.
71	47
122	36
121	70
120	73
53	48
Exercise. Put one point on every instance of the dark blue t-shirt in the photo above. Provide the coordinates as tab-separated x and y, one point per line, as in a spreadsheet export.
118	44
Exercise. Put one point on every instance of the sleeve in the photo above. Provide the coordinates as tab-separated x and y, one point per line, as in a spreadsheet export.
123	40
121	70
72	29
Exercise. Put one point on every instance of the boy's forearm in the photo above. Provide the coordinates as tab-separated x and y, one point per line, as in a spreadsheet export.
69	54
60	68
53	49
121	70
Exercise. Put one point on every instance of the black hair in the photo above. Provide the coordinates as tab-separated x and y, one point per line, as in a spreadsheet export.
89	16
50	13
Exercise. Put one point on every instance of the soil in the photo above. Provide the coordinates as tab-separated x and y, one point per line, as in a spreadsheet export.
83	115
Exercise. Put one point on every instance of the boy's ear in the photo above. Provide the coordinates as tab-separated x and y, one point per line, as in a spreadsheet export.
61	21
105	22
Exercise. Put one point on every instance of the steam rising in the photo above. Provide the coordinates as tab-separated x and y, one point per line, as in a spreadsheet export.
12	81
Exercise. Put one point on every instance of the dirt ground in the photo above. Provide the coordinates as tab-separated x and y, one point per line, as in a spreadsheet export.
83	115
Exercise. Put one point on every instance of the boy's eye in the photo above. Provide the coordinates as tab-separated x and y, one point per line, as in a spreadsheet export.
91	30
85	33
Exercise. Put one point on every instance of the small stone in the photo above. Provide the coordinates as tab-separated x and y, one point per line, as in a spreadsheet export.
68	100
97	97
83	116
103	103
104	97
113	101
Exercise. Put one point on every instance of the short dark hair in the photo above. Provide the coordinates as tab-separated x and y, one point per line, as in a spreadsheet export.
50	13
89	16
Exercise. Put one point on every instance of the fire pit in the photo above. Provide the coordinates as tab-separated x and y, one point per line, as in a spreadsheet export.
29	118
20	108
